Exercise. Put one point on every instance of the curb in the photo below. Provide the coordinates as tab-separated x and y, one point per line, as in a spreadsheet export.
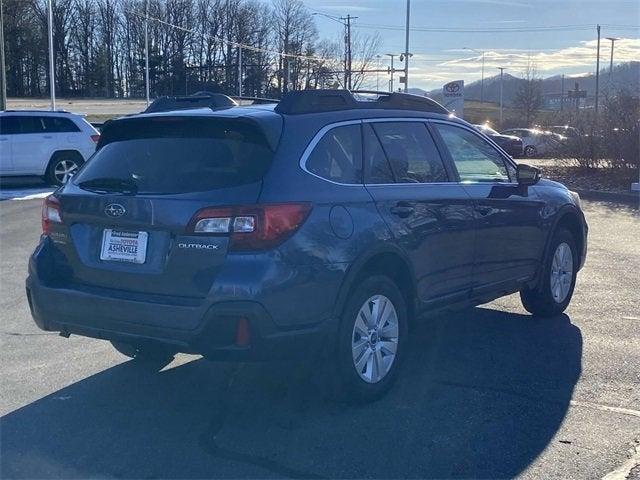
619	197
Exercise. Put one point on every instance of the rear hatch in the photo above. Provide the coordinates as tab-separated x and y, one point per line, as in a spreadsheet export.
130	213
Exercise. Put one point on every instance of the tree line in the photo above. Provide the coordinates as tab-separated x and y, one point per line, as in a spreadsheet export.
99	48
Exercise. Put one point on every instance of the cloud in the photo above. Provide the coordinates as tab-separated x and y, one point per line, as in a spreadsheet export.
429	71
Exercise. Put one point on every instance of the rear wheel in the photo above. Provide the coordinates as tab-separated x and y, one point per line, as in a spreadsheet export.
62	167
371	341
144	354
555	289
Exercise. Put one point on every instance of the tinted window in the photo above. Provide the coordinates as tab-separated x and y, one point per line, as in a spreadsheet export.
338	155
475	159
31	125
21	124
9	125
180	154
377	169
59	125
411	152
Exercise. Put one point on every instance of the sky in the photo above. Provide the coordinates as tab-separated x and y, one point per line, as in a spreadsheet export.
564	40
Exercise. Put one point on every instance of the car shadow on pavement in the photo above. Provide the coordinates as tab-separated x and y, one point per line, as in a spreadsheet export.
482	393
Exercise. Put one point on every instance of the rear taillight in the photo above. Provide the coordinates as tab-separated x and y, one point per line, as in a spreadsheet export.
95	138
253	227
51	213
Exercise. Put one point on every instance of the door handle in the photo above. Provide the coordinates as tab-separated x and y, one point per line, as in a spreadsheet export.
403	210
47	136
4	139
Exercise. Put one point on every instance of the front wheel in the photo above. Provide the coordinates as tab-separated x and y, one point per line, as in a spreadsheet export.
372	339
553	294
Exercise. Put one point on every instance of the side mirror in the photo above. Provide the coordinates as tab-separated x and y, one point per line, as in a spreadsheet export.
527	175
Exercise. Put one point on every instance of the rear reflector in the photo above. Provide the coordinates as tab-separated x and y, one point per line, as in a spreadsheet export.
251	227
243	333
51	213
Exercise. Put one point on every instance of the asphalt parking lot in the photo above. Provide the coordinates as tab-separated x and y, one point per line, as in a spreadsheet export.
490	392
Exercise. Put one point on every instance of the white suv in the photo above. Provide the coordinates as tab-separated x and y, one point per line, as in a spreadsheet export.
49	144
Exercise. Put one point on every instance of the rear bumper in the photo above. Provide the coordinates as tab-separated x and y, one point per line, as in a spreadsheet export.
76	312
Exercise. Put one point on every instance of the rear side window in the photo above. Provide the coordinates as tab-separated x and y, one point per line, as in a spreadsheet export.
338	155
475	159
58	125
411	152
167	155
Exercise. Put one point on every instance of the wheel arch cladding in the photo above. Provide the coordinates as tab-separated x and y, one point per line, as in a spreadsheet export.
570	221
388	263
59	153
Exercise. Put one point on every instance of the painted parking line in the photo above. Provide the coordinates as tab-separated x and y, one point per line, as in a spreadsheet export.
31	194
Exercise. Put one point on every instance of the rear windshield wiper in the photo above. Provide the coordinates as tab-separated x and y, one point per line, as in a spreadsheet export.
108	184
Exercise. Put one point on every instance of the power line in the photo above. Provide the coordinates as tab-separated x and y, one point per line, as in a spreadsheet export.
551	28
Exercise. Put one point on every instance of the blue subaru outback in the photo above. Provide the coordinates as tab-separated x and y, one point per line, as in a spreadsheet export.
320	225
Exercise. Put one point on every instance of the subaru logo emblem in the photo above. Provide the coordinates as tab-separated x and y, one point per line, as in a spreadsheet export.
115	210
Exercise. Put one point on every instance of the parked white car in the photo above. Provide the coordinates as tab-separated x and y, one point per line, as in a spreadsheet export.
535	142
52	145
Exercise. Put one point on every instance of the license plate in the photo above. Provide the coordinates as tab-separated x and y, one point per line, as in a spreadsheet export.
120	246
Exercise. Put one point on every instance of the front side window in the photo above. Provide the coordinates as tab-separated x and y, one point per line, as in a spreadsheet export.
410	151
338	155
475	159
9	125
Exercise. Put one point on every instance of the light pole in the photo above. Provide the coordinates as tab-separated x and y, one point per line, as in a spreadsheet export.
391	81
482	74
502	69
378	73
406	49
3	73
52	73
613	41
146	50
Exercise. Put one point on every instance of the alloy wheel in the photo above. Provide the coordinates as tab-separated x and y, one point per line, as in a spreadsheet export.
561	272
374	341
64	170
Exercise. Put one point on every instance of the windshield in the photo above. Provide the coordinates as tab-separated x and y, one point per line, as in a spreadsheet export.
177	155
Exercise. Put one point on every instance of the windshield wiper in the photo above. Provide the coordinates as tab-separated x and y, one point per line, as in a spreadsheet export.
108	184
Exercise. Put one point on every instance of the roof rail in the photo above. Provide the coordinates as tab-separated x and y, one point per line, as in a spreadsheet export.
35	110
313	101
198	100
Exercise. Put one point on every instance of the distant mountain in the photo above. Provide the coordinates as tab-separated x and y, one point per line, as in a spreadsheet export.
626	75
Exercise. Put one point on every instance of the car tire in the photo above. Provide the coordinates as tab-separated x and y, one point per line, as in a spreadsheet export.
62	166
555	289
530	151
364	365
144	354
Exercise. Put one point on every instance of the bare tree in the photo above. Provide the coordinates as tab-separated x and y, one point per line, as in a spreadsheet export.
528	99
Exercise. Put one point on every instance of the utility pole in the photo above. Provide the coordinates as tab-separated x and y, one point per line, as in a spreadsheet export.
347	41
378	73
392	70
406	49
613	41
3	72
598	72
146	49
239	71
52	73
502	69
562	93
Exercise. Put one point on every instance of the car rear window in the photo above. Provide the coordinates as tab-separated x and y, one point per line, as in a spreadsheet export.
167	155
